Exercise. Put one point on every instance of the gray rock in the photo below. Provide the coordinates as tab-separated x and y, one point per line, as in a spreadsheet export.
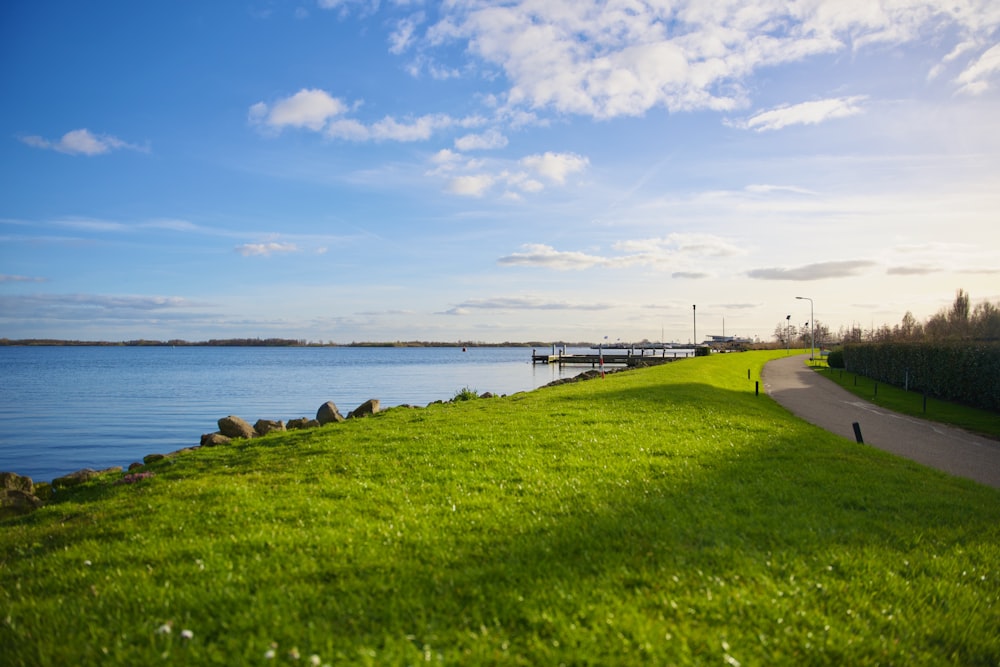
328	413
16	502
265	426
213	439
369	407
152	458
11	480
235	427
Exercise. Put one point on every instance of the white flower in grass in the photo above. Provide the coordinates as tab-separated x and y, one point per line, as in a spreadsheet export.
315	660
164	629
187	634
269	654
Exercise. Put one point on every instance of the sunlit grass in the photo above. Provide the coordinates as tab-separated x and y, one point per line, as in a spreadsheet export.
659	516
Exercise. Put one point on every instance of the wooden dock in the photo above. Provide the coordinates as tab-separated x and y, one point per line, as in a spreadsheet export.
610	357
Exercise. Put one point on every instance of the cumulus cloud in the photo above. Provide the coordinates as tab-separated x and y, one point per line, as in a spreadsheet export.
619	59
82	142
309	108
820	271
266	249
471	186
806	113
488	140
556	166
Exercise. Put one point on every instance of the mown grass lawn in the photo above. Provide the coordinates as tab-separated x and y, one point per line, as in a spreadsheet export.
658	516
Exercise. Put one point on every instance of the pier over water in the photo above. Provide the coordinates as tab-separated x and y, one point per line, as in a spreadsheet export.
650	354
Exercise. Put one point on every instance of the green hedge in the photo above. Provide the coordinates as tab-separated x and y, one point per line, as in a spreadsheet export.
967	373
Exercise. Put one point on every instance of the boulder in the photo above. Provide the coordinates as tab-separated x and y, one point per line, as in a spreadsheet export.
369	407
15	502
235	427
134	466
328	413
152	458
11	480
302	422
213	439
43	491
265	426
81	476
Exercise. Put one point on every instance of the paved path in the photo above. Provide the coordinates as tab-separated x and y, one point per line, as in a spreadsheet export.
815	399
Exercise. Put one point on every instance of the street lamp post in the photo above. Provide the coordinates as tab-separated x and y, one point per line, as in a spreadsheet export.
694	315
812	328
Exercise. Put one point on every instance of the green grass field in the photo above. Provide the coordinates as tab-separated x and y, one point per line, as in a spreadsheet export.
659	516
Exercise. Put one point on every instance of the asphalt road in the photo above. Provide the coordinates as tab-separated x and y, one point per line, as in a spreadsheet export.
815	399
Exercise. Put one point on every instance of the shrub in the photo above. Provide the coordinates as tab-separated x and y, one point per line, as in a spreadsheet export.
835	359
465	394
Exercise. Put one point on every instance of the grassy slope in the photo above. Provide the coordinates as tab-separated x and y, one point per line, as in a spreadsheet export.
663	516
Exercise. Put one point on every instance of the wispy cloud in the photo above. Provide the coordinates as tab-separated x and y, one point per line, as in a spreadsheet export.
805	113
266	249
83	142
7	278
522	303
677	252
820	271
978	77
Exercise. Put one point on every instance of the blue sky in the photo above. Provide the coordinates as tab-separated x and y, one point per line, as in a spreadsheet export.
350	170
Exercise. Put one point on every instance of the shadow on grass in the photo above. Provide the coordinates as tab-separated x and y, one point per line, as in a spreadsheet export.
727	507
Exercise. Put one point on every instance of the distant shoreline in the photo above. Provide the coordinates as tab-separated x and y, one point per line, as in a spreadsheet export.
268	342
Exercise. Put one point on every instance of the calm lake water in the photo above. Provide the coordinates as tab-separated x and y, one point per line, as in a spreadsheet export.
67	408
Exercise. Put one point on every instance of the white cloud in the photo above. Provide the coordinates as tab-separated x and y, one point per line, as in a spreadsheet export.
976	79
819	271
556	166
536	254
471	186
309	108
265	249
683	254
403	36
690	245
805	113
522	303
488	140
82	142
609	59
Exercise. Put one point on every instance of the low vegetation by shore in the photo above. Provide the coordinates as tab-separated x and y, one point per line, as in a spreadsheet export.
661	516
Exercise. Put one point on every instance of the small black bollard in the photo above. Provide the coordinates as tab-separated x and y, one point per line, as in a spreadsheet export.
756	388
748	373
857	433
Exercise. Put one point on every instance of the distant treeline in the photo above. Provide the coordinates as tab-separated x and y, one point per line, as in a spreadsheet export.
267	342
226	342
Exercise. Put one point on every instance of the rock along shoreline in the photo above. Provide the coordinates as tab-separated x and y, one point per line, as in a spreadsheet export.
20	495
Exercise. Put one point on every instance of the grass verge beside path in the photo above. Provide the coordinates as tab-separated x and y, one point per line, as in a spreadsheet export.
659	516
912	403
